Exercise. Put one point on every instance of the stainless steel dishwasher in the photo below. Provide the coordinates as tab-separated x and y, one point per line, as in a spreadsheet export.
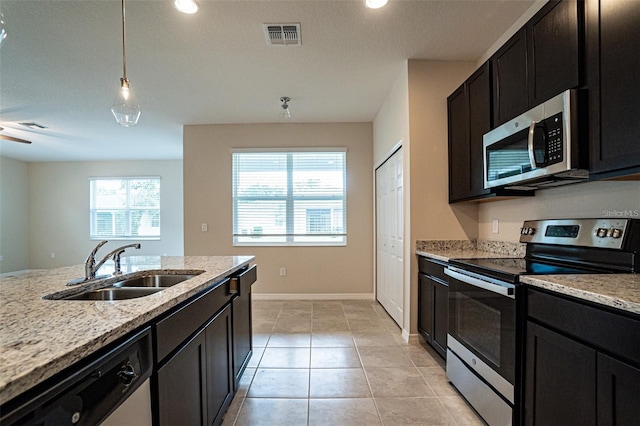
92	391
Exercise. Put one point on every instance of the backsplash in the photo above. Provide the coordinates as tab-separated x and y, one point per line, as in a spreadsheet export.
506	248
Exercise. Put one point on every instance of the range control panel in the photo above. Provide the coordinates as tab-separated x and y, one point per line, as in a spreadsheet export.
603	233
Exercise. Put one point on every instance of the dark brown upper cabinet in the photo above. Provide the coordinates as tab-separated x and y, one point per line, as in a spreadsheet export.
540	61
469	112
510	87
613	68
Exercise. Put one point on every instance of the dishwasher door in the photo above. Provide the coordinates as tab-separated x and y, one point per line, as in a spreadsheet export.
134	411
86	393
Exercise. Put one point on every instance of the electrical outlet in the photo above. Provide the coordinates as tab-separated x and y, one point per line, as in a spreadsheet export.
283	272
53	255
495	226
204	227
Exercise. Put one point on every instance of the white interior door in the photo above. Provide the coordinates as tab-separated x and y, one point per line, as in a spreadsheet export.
389	232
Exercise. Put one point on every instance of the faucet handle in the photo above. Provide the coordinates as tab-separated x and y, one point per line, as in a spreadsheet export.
92	256
116	260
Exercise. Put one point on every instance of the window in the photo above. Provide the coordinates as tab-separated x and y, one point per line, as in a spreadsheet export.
289	197
125	208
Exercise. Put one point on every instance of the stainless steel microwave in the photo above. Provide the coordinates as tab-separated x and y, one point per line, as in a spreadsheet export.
539	148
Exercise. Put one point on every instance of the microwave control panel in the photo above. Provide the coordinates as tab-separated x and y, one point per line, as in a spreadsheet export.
554	137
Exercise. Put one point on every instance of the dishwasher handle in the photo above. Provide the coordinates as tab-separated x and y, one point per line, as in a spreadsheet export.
505	289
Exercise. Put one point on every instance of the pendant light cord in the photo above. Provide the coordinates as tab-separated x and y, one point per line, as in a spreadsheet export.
124	48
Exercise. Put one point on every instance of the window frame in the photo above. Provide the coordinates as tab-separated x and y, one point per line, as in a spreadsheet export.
93	211
292	240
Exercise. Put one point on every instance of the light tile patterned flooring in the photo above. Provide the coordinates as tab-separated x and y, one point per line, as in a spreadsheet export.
340	363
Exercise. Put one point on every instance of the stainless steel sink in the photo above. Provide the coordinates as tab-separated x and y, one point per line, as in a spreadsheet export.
155	280
113	293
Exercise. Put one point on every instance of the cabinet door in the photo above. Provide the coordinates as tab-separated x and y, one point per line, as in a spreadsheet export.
219	366
613	31
479	92
509	75
554	60
241	334
560	380
425	307
459	160
440	317
618	392
182	386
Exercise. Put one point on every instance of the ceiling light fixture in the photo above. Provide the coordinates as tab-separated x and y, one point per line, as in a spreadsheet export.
285	114
125	106
187	6
375	4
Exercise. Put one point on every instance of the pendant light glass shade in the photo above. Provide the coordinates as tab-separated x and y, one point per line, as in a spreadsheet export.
125	106
285	114
3	29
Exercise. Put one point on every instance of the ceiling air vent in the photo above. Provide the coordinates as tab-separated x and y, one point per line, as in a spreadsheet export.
282	34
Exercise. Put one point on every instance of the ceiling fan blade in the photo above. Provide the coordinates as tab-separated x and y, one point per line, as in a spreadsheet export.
12	139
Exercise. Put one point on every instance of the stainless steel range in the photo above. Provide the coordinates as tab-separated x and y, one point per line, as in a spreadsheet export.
486	303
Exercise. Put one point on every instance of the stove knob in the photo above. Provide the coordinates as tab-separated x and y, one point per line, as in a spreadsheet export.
615	233
532	231
601	232
522	231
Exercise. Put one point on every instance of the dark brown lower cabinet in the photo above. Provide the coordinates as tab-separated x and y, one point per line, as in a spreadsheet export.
582	363
181	385
241	312
618	392
195	385
433	307
219	365
560	377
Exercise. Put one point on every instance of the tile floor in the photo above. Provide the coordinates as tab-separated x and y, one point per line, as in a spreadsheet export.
340	363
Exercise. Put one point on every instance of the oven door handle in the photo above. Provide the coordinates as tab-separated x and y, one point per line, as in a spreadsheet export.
495	288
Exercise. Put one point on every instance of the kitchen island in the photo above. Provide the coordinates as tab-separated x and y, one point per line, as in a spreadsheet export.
41	337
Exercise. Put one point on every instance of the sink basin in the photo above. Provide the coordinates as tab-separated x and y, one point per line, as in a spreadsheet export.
156	280
111	293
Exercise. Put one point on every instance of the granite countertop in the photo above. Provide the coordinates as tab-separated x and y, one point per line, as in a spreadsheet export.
620	291
40	338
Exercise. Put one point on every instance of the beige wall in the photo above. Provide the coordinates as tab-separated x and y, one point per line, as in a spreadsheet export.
584	200
418	99
59	209
318	271
14	215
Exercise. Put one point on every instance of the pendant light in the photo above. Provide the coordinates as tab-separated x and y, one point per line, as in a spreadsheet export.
285	114
125	106
3	29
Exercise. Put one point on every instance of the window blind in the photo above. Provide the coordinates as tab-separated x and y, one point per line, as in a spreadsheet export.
293	197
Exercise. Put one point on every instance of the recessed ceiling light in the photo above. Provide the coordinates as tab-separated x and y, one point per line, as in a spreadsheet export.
375	4
186	6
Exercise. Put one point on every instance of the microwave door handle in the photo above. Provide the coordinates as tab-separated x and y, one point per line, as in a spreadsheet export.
532	131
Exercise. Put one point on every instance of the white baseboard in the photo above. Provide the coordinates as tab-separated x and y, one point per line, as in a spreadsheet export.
314	296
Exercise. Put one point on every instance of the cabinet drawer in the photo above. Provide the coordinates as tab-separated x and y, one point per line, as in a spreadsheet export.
432	267
605	330
177	327
241	283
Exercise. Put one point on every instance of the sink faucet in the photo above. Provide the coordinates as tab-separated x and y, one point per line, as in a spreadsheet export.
91	266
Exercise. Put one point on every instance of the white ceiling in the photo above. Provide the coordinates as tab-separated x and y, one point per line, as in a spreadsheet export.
61	63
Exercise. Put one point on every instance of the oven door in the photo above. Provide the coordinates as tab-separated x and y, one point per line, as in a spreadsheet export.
482	327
